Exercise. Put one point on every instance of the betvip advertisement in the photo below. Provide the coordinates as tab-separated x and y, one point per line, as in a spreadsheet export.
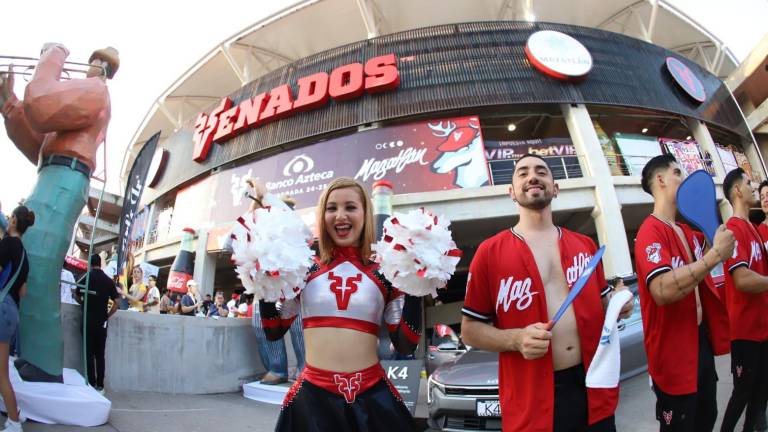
417	157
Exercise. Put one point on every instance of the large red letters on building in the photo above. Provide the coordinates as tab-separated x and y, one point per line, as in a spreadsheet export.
343	83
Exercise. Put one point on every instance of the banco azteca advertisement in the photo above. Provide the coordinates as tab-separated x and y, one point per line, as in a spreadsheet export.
417	157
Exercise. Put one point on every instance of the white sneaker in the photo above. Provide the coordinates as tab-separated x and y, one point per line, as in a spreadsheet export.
12	426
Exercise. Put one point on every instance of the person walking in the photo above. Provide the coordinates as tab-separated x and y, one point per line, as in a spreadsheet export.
101	289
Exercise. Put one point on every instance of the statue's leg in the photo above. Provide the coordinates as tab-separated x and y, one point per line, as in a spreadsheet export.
57	200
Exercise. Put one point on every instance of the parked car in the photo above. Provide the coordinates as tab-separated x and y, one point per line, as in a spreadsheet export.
463	390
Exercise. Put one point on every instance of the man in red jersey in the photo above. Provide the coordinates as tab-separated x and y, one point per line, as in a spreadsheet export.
762	228
761	424
684	319
746	293
518	279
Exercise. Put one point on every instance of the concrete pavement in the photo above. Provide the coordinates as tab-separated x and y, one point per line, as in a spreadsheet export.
156	412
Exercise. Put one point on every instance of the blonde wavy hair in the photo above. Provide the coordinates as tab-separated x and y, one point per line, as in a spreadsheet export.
326	244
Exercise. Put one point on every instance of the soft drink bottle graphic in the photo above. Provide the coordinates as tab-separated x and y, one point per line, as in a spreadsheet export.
184	265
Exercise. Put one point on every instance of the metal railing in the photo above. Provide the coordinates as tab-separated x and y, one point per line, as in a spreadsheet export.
562	167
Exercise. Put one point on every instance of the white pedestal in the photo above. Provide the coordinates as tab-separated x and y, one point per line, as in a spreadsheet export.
271	394
71	403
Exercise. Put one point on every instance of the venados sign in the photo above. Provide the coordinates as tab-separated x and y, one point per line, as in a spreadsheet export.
343	83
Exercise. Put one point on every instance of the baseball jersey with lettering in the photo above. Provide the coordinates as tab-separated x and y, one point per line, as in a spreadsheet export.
671	333
504	288
762	229
748	312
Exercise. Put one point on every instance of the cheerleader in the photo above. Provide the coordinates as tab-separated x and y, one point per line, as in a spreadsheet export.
343	387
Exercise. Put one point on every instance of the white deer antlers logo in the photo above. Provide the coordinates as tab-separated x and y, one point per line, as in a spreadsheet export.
462	150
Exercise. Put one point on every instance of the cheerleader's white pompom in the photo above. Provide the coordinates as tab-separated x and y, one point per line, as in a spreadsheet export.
417	253
271	252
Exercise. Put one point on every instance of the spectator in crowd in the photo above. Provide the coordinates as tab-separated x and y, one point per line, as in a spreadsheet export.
101	289
245	309
67	285
138	290
3	223
218	308
14	267
111	268
191	300
152	304
232	305
165	305
175	302
122	302
207	304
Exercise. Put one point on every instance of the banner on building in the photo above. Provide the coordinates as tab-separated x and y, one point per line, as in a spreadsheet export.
416	157
686	152
559	153
728	158
132	196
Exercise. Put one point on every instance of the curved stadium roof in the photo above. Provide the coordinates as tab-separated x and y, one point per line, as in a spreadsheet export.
299	31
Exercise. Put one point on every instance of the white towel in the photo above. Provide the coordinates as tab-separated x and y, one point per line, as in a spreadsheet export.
606	365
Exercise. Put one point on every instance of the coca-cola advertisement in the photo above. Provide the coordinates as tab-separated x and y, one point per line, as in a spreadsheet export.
183	266
416	157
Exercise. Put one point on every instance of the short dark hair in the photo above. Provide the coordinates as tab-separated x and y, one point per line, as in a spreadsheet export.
762	185
95	260
526	156
731	179
152	278
654	166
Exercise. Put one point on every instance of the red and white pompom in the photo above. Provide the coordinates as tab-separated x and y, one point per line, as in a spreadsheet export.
417	253
271	251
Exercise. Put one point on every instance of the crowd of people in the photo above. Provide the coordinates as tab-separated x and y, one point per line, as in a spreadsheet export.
543	367
686	319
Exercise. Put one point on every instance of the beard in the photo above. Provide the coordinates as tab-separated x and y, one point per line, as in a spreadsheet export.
539	202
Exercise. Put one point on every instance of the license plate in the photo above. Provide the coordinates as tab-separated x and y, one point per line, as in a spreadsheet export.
488	408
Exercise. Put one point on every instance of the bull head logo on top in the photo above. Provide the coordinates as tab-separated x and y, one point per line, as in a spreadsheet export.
461	152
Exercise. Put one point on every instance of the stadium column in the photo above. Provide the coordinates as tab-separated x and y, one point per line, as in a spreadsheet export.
607	213
704	140
205	264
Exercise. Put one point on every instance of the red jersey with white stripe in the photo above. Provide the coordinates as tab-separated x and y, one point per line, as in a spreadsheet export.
748	312
504	288
347	294
671	333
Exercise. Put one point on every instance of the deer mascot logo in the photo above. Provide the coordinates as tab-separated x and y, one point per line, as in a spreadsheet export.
461	152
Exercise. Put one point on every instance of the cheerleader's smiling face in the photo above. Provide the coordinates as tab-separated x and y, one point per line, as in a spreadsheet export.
344	217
